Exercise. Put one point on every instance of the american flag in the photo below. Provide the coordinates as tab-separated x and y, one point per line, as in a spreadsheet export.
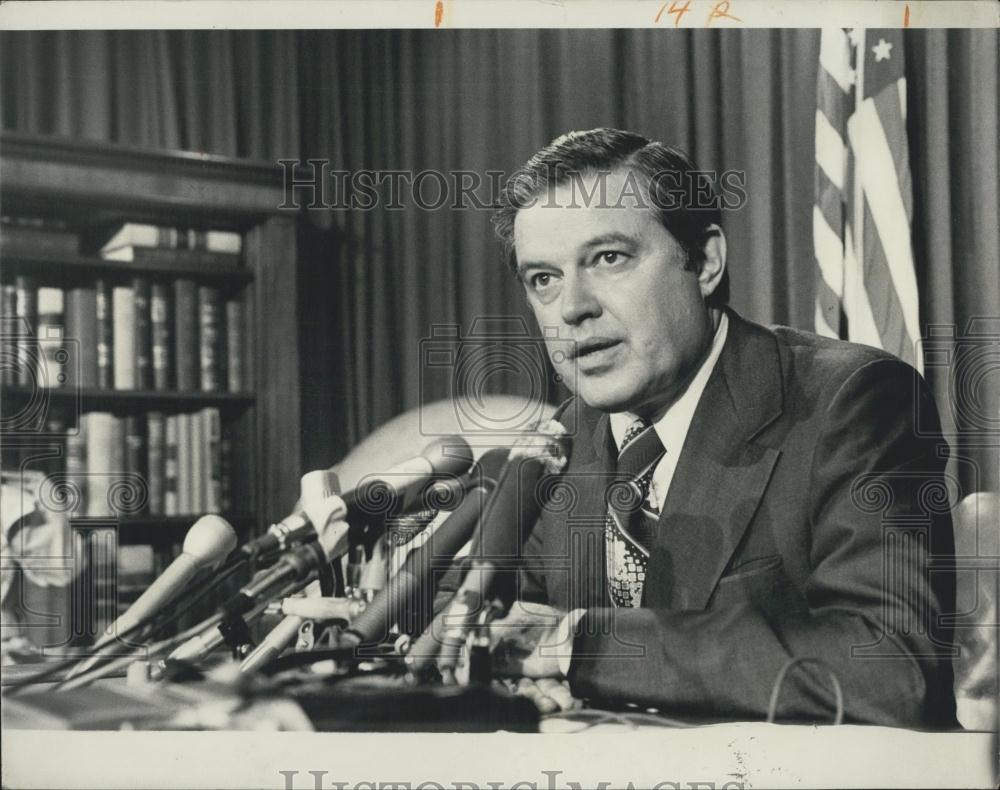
866	289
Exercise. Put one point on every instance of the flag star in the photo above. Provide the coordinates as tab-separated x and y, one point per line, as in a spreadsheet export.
855	34
881	50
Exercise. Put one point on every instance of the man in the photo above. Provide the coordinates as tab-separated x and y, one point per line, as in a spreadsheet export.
782	505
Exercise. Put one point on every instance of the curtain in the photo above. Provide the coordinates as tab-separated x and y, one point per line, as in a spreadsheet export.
376	283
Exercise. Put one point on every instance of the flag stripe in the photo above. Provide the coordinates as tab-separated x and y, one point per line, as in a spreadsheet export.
829	249
832	101
885	302
857	307
827	310
880	184
831	153
835	56
830	202
894	128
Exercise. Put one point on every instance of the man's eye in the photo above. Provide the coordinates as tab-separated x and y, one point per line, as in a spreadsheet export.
541	280
610	256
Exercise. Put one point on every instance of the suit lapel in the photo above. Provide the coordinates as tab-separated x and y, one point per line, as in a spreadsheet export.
721	474
590	472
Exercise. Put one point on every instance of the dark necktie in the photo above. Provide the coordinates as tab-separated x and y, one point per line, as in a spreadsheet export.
631	520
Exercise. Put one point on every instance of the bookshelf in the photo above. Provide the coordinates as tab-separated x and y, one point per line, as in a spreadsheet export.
88	186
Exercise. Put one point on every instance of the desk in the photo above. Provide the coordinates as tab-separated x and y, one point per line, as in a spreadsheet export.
733	755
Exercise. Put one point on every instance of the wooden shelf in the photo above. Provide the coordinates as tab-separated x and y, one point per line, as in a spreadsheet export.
87	267
135	400
160	530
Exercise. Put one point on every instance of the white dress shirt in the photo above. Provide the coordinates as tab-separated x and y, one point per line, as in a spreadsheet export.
672	427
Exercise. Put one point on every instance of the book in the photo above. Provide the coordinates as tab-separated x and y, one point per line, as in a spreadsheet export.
225	472
81	335
105	335
24	236
76	468
186	335
137	234
160	304
27	314
135	459
105	461
55	439
211	438
156	461
199	472
51	354
210	338
123	336
143	334
235	327
170	499
185	465
8	333
176	260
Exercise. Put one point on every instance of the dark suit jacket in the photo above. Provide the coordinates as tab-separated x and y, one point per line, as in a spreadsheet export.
801	521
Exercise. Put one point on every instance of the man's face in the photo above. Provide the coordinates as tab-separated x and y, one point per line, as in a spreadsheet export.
612	279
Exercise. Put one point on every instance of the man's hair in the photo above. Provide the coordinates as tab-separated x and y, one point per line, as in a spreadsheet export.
682	197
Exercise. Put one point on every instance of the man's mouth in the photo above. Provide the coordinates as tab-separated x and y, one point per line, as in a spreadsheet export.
595	348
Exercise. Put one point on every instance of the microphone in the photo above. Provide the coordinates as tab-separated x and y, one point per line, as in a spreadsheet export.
297	527
411	584
206	545
299	564
402	487
509	516
510	513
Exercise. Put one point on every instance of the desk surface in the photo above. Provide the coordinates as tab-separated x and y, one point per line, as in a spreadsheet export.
726	755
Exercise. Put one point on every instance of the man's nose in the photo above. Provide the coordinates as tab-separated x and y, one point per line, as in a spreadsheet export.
579	301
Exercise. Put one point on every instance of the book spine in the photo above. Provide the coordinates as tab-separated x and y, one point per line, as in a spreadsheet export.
170	501
27	314
235	323
8	334
38	241
135	456
155	461
159	309
198	470
210	346
76	466
55	429
81	334
123	318
225	472
51	326
186	334
178	260
185	503
212	438
105	451
143	342
105	335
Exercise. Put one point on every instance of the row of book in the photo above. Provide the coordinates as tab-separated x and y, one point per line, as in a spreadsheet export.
129	241
143	336
157	464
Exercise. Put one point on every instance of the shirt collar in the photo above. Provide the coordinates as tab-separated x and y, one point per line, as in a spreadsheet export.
673	426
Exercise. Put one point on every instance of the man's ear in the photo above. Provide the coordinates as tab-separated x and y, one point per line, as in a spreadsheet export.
714	265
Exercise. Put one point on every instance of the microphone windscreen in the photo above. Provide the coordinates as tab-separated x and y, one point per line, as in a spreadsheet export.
317	485
210	540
